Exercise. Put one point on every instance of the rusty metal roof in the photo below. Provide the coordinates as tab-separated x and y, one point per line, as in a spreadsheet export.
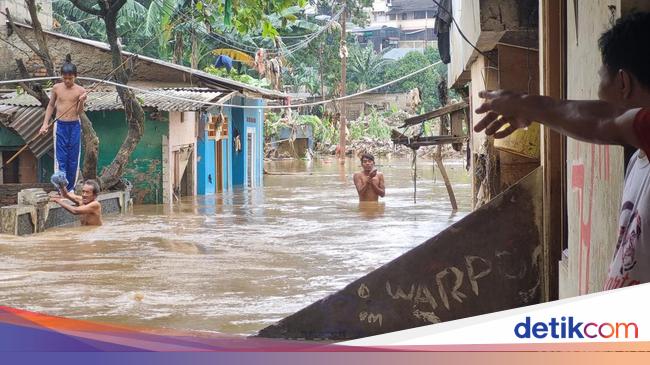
109	100
26	122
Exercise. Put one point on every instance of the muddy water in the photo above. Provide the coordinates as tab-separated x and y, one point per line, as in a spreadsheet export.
231	263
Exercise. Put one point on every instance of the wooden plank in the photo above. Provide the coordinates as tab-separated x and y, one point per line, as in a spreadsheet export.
476	266
434	114
429	141
552	145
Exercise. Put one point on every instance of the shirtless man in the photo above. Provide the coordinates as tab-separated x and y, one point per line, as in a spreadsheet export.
369	182
87	207
68	99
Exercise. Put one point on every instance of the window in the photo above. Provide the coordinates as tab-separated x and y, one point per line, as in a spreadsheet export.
404	16
419	14
392	17
431	14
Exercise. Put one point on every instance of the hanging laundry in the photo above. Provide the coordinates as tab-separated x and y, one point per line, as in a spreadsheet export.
223	61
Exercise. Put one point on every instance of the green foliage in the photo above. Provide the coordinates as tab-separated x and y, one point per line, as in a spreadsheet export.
246	79
251	16
372	126
426	81
365	66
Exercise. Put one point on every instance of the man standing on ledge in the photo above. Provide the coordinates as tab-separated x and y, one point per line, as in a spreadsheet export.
68	99
87	207
369	182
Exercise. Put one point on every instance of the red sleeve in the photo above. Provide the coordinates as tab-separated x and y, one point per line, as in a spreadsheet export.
642	129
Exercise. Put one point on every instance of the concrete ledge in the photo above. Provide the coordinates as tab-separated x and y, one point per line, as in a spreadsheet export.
28	219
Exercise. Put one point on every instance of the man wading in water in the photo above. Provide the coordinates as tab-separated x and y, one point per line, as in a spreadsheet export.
369	182
68	99
88	208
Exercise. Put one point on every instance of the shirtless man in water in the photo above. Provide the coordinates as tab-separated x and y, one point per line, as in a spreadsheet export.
369	182
87	207
68	99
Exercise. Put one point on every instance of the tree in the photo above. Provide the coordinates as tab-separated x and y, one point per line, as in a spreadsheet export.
108	11
426	80
248	15
91	142
366	66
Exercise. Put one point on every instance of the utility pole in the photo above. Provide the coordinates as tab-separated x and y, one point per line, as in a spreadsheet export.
344	60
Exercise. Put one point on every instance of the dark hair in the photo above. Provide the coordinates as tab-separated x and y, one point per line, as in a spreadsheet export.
68	67
367	156
94	185
625	46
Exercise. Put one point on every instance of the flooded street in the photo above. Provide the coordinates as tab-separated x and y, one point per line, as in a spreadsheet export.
231	263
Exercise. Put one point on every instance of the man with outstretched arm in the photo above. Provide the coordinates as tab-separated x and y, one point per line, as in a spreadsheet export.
369	182
86	206
622	117
67	98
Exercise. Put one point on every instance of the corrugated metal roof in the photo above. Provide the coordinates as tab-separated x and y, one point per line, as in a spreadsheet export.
26	121
24	114
109	100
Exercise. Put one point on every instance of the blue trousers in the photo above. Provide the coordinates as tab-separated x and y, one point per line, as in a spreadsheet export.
67	149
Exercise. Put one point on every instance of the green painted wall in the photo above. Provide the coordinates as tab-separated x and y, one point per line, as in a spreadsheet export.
144	169
9	140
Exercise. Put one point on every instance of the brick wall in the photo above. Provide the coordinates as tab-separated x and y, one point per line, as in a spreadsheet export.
9	192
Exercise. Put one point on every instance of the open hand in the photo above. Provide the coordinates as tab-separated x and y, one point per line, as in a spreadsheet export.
503	108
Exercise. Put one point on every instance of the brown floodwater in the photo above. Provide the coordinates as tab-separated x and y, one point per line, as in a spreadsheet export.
232	263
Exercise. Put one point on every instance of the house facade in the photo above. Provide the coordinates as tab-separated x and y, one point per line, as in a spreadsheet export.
172	159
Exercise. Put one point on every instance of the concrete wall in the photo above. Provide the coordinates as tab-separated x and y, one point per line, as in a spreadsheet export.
92	61
356	106
594	173
467	14
183	132
19	12
485	23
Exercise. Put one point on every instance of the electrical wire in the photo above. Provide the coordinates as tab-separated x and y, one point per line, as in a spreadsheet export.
232	105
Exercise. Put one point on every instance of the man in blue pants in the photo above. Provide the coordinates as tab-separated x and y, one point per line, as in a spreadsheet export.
68	99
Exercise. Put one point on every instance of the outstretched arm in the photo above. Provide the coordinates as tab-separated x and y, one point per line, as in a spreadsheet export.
589	121
82	209
70	196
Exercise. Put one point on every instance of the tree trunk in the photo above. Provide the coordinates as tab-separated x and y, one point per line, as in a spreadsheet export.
40	37
112	174
91	148
194	56
444	130
178	48
90	142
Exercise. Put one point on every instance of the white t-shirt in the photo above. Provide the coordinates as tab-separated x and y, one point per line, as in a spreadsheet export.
631	262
